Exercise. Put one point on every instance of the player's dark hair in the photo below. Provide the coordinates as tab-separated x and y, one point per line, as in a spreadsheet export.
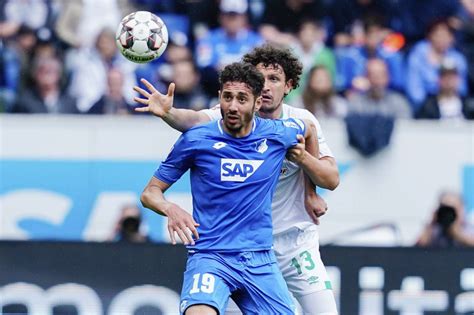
245	73
270	55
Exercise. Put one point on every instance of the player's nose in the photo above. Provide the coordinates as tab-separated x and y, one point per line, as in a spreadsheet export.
266	85
233	106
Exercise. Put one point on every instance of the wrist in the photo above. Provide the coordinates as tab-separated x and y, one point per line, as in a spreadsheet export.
304	159
166	208
167	114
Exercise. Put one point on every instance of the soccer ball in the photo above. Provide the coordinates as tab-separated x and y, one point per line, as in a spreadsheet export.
141	37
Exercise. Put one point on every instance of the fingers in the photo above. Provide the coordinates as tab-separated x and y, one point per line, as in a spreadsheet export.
141	91
295	150
172	237
185	237
149	86
314	217
185	232
140	100
142	109
320	213
300	139
171	88
194	230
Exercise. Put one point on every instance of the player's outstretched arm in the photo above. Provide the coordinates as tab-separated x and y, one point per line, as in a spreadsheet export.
323	172
179	221
161	105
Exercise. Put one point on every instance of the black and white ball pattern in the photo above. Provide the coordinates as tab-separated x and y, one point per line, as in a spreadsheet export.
142	37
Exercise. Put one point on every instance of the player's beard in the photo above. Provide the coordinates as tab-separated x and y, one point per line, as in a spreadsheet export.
240	122
271	108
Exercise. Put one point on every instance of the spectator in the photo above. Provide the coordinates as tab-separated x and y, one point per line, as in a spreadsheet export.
447	104
448	226
311	50
464	25
414	17
352	60
188	93
282	18
8	27
310	47
37	15
425	60
15	60
379	98
203	15
129	228
226	44
344	13
46	95
175	52
90	67
80	22
159	71
113	101
319	96
229	42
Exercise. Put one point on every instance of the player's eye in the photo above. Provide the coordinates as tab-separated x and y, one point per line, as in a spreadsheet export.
242	100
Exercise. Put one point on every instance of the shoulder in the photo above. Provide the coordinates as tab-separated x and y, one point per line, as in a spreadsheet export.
200	132
419	49
396	96
459	57
302	114
214	113
295	112
358	98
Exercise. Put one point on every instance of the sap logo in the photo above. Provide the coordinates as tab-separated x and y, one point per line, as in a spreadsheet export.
235	170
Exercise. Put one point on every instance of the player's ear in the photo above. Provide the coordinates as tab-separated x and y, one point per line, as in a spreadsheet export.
288	86
258	103
219	94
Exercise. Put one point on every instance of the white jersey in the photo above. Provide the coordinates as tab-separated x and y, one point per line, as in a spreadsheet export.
288	208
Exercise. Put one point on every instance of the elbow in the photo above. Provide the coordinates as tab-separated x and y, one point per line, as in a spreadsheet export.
144	198
333	185
334	182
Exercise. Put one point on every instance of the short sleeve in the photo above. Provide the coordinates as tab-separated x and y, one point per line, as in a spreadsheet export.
214	113
179	160
291	128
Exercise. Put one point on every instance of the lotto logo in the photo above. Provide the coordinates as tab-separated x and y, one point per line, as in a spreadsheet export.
235	170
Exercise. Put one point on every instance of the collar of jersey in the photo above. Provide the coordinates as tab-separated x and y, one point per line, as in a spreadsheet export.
254	122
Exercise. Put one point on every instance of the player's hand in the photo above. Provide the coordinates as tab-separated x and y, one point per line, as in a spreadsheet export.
156	103
315	206
297	153
181	223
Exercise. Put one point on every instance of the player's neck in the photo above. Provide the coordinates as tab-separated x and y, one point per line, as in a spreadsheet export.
240	133
277	113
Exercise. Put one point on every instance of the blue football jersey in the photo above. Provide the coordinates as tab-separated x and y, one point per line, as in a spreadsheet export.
232	180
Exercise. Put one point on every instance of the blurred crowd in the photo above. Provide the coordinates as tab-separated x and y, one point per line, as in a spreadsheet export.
401	58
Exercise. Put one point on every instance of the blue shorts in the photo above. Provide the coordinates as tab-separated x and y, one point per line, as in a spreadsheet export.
251	278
